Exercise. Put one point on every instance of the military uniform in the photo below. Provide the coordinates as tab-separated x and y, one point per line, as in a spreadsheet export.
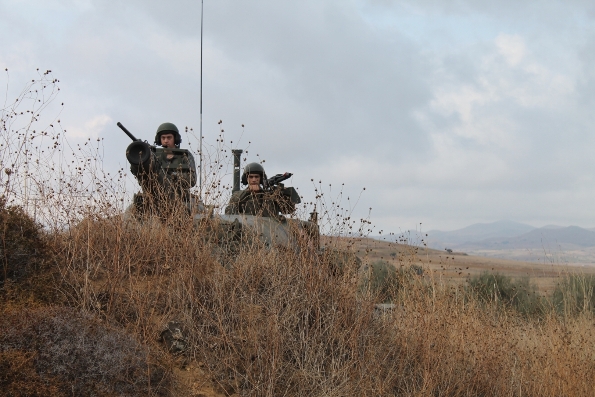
261	203
166	176
269	203
258	203
173	177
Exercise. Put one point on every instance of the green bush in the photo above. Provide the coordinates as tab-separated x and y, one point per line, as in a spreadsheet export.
575	294
386	280
502	290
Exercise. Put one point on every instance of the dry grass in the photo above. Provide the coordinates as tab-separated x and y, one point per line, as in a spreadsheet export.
271	322
259	321
72	353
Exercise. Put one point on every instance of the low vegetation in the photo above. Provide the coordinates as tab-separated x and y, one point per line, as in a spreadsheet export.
575	294
504	291
67	353
279	323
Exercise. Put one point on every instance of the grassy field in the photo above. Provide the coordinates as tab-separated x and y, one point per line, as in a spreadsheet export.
267	322
457	267
574	257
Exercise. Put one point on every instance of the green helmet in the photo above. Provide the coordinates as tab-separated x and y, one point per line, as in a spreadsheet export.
168	128
253	168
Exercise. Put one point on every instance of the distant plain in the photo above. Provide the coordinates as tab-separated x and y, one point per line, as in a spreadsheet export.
457	267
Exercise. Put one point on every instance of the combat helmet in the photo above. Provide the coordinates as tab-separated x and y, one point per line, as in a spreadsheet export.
168	128
253	168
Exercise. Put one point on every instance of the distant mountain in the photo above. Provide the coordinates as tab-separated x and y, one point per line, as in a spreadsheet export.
477	232
552	227
571	237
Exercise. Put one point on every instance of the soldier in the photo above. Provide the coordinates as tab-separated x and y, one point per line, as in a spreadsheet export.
255	200
170	174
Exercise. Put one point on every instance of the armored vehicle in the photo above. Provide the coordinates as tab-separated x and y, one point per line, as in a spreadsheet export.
272	223
163	184
265	217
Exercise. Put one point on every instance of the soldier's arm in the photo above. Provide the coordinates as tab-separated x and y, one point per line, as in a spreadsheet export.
233	206
191	169
138	172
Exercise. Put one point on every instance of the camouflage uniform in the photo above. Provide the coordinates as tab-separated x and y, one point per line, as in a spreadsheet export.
165	179
172	178
269	203
262	203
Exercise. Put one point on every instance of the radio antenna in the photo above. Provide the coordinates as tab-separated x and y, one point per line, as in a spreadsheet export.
200	149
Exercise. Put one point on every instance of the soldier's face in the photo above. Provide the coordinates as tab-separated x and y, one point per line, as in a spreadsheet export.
254	181
167	140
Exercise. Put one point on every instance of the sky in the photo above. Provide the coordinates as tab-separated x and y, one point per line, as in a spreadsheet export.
448	113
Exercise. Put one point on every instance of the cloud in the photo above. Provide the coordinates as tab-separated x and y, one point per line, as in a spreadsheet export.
512	48
92	128
448	111
487	108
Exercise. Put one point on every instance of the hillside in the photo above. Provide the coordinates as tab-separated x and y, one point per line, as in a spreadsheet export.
289	322
99	302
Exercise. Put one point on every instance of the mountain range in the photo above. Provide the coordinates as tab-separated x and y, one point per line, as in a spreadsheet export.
506	235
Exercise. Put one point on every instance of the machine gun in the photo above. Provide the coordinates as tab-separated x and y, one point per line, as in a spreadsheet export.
276	180
274	184
140	153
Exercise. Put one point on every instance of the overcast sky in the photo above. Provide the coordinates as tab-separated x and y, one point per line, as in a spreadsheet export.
447	112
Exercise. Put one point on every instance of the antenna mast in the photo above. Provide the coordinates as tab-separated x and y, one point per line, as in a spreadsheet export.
200	165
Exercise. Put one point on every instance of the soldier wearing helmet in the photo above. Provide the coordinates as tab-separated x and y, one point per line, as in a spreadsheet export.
168	136
172	173
258	198
253	176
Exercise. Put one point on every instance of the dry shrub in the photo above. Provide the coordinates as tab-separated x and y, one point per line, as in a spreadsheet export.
280	322
295	307
21	245
130	271
70	353
18	377
269	322
27	275
456	346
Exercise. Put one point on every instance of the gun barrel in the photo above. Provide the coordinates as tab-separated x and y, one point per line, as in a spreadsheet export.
126	131
278	178
139	153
